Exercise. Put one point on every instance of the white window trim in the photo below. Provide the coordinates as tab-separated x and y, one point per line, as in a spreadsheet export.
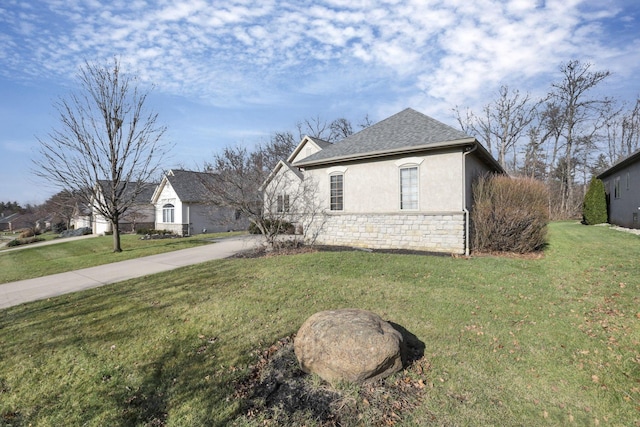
409	161
343	191
400	169
166	209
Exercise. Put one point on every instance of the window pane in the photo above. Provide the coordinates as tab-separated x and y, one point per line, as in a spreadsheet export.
409	188
286	203
337	200
167	213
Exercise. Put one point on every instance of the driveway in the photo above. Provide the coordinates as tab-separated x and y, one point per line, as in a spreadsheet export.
15	293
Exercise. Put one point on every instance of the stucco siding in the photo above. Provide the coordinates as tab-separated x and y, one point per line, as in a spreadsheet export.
374	186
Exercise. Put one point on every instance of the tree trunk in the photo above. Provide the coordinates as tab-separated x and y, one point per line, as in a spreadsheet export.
116	236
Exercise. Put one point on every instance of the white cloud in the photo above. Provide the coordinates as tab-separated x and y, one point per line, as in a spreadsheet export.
451	51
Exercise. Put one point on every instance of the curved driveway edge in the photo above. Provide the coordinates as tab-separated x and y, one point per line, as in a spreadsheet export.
15	293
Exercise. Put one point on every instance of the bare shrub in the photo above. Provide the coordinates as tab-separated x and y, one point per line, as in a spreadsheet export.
509	215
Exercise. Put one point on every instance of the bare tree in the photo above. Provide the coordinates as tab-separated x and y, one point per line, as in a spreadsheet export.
107	147
63	206
272	201
582	115
502	123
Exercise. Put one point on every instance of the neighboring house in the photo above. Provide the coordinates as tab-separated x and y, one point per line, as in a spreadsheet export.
140	214
403	183
622	187
81	217
6	221
183	205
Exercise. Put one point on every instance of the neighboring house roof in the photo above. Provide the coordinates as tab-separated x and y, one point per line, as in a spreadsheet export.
7	219
190	186
143	197
406	131
634	157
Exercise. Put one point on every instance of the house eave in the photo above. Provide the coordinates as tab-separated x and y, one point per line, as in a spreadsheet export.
620	165
386	153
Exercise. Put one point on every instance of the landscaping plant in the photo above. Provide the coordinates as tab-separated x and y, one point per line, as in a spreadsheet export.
509	214
594	207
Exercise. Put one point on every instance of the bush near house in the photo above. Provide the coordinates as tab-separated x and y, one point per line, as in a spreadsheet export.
594	207
282	227
509	215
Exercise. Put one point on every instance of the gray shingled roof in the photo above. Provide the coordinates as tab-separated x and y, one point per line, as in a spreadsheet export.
191	186
144	196
321	142
405	130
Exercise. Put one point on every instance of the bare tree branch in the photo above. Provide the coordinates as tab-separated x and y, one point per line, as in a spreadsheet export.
107	146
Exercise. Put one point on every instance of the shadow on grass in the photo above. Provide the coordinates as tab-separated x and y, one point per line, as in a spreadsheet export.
414	348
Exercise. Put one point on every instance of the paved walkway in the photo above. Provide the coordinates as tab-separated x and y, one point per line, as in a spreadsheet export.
15	293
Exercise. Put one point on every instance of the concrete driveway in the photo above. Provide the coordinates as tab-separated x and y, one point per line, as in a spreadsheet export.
15	293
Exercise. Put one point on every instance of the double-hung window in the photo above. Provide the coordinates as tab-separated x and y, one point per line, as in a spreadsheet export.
409	188
167	213
283	203
616	188
337	192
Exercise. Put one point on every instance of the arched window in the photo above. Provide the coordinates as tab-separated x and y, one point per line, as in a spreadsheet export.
409	182
167	213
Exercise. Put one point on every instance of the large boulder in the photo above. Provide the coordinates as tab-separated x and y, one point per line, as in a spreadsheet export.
349	345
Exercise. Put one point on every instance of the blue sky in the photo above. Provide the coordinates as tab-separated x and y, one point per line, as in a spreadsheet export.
235	71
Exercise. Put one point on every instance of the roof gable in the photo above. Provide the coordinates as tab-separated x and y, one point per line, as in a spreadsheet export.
190	186
317	143
407	130
281	165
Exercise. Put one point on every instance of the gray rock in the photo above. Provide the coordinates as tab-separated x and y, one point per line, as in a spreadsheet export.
349	345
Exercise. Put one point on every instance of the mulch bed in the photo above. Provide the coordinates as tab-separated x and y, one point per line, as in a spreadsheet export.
277	392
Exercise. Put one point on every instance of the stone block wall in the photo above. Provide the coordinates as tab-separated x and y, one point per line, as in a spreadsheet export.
433	232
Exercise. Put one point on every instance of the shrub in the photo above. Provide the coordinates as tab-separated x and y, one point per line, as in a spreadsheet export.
594	207
27	232
509	215
24	241
283	227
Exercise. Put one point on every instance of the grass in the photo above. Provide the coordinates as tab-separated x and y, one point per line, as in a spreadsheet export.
549	341
37	261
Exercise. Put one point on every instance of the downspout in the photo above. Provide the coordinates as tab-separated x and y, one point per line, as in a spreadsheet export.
188	219
464	197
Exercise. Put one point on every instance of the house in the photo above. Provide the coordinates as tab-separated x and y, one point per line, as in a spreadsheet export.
81	216
6	221
403	183
622	187
183	205
140	214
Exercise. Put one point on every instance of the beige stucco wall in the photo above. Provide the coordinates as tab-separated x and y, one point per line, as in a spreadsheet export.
374	187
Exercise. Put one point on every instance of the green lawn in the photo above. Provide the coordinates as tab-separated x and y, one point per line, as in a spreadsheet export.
509	342
36	261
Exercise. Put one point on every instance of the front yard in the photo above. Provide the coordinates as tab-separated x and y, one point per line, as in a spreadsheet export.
507	341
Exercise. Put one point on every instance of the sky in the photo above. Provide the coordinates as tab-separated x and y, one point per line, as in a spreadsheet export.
233	72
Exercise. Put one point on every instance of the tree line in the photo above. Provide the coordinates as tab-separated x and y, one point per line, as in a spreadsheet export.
563	139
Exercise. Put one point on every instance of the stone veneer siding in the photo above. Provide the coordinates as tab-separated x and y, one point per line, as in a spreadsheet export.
434	232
